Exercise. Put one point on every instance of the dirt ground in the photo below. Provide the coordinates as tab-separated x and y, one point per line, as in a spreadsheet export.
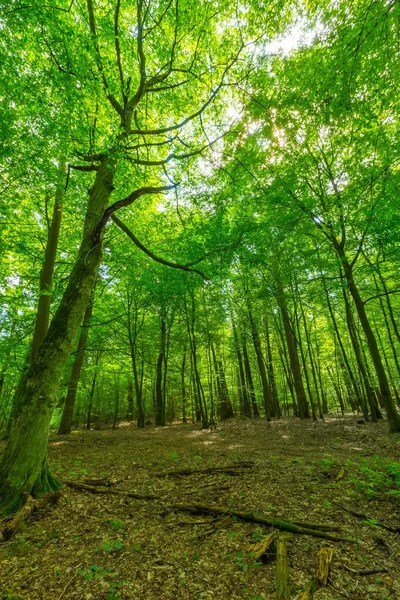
105	546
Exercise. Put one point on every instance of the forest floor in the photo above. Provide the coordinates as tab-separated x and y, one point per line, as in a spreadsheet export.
105	546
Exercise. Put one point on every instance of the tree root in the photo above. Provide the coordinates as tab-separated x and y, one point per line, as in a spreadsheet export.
235	469
83	487
255	518
10	525
367	518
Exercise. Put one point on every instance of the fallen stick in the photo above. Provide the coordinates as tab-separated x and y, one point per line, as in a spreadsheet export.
255	518
232	469
367	518
260	549
78	485
282	582
104	482
322	575
374	571
202	487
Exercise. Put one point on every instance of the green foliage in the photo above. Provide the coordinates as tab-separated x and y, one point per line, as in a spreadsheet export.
375	476
112	546
116	524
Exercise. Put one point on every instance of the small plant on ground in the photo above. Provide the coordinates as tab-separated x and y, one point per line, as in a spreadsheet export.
116	524
375	476
111	546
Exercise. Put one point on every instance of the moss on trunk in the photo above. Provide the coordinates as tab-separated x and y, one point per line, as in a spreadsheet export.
23	468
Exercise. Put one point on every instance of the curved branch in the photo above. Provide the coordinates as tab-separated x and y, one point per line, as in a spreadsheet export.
149	253
129	200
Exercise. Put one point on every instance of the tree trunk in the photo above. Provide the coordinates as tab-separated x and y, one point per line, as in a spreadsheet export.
392	414
304	411
243	395
226	410
66	419
361	364
271	371
47	272
183	387
249	378
91	393
261	367
23	468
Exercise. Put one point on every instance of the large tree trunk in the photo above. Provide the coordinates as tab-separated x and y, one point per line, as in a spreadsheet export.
66	419
23	468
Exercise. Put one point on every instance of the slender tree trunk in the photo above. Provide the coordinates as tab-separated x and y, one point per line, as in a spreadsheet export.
47	272
23	468
249	378
129	402
391	412
183	387
261	367
159	387
271	371
226	409
304	411
361	363
91	392
357	392
243	395
66	419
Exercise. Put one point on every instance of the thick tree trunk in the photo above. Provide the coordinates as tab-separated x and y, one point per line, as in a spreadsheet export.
23	467
66	419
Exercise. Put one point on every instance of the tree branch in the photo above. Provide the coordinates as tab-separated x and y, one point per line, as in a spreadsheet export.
129	200
92	23
149	253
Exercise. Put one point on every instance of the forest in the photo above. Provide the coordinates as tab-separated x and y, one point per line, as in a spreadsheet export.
199	299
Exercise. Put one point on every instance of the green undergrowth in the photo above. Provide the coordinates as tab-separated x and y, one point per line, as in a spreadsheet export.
375	476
